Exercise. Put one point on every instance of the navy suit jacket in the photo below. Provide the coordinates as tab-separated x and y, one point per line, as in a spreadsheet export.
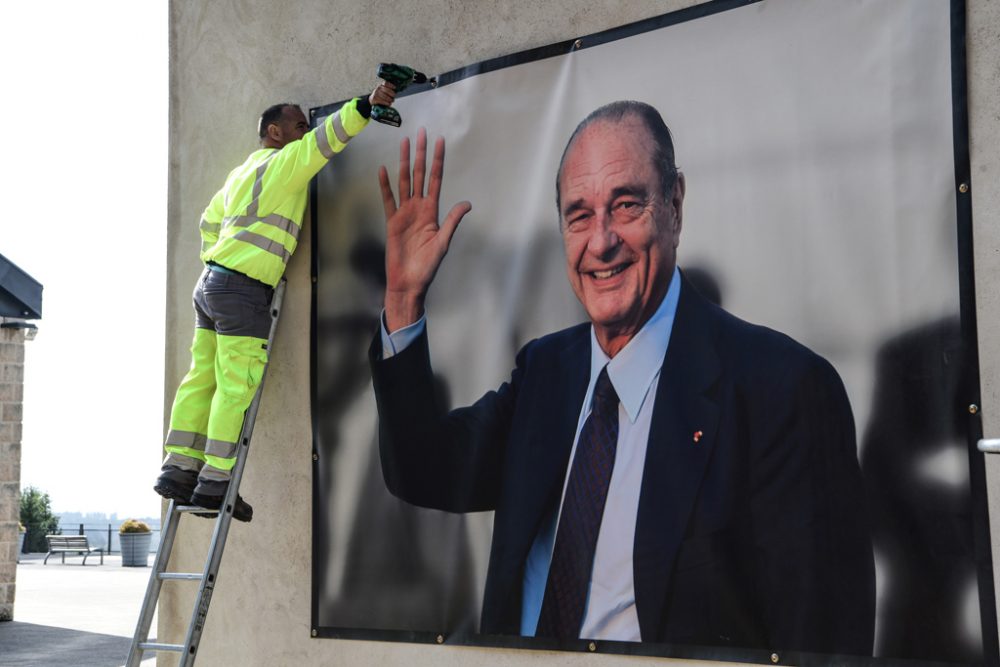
753	536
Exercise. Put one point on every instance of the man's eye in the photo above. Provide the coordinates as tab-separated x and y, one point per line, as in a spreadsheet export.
576	223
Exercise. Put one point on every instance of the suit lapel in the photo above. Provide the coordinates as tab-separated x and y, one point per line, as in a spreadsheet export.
676	458
552	430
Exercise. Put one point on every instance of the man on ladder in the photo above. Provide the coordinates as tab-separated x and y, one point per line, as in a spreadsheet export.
249	231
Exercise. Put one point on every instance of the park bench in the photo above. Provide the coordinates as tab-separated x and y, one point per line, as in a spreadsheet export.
68	544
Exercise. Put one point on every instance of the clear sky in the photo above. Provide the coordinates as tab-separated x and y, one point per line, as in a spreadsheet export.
85	191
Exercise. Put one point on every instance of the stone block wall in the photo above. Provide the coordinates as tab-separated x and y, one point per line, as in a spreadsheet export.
11	396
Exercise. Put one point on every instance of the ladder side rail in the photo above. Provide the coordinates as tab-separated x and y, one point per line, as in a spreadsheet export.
153	587
207	586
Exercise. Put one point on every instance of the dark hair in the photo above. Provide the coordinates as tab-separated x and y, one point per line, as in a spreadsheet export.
663	144
271	115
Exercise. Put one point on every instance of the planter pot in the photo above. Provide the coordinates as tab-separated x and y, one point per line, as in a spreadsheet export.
20	545
135	549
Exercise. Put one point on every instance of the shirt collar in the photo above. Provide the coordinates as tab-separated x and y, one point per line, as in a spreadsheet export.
634	368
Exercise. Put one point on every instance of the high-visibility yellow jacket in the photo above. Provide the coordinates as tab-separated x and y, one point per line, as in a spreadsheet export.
252	224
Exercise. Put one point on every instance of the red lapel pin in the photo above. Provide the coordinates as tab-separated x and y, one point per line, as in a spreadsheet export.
697	435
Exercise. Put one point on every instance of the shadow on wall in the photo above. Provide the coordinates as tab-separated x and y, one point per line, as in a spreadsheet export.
381	563
915	461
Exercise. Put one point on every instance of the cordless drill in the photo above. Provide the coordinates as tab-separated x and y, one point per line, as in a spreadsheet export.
400	76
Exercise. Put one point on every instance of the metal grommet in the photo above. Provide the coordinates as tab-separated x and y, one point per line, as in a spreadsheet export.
592	646
314	633
315	457
440	639
973	409
963	188
775	658
577	44
433	81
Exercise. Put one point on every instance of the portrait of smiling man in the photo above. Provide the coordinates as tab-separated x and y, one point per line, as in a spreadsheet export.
665	472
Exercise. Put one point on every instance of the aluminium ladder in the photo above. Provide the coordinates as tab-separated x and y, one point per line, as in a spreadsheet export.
189	648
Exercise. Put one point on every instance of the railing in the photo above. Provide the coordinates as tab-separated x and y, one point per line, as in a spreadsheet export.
99	535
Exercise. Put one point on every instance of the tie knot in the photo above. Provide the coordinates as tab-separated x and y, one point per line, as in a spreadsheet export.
605	396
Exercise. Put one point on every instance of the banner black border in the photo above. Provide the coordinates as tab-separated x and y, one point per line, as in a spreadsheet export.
970	339
967	309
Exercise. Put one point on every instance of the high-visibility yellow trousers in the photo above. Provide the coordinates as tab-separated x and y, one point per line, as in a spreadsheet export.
228	357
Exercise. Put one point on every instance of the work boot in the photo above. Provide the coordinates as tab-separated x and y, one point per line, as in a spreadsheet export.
209	494
176	483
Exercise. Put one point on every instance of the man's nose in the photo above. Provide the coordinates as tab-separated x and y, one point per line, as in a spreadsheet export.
603	241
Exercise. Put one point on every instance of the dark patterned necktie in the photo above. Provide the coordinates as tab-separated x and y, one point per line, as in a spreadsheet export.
580	521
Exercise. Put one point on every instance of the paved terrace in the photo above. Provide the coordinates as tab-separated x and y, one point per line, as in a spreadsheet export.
72	614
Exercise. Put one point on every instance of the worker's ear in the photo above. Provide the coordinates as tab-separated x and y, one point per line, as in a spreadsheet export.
274	132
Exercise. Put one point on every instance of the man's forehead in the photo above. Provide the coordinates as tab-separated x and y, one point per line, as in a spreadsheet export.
293	113
613	139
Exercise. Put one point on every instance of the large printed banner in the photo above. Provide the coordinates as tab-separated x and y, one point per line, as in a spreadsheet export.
766	496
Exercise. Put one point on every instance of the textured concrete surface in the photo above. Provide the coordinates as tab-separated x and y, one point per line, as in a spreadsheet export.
231	58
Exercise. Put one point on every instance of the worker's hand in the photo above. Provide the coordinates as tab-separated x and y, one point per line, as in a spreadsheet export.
384	94
415	243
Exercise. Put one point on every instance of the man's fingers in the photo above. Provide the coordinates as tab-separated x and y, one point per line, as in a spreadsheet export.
437	170
388	201
383	95
404	170
451	221
420	163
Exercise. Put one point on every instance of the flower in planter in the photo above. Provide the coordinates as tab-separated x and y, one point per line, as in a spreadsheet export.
133	526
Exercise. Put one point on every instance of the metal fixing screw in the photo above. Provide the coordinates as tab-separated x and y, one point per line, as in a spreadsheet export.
440	639
963	188
577	44
592	646
973	409
775	658
314	633
315	457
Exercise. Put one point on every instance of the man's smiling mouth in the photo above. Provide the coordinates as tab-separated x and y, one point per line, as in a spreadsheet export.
607	273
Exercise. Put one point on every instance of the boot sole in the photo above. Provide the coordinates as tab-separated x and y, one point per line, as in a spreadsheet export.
215	503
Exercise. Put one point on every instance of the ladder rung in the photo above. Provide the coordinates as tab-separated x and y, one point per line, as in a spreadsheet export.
153	646
194	508
179	575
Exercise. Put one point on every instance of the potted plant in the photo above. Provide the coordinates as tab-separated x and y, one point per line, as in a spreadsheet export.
21	531
135	537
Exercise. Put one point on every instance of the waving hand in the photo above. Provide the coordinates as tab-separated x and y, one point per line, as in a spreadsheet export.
415	243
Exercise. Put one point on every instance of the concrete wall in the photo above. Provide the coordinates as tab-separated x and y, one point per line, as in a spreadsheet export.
11	396
231	58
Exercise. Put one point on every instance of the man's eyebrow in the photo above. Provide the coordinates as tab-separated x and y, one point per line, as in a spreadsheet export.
573	207
637	191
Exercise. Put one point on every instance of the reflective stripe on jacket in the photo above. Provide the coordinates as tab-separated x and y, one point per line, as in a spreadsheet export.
252	224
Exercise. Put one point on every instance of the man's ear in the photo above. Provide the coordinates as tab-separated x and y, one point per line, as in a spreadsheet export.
274	132
677	199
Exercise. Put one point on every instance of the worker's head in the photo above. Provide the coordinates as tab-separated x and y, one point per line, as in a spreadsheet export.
620	202
281	124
